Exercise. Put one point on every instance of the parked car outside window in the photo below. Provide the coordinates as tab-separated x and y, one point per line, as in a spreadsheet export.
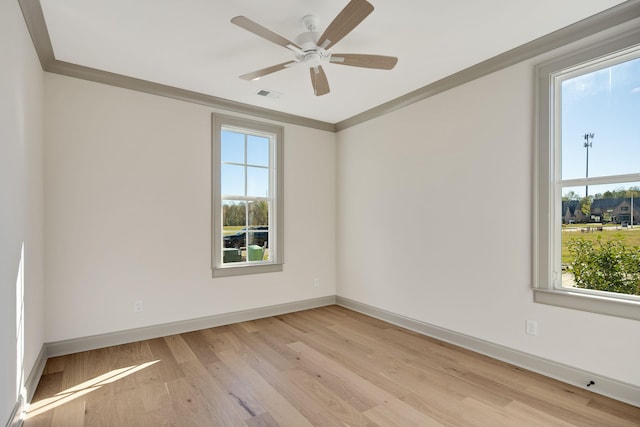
238	240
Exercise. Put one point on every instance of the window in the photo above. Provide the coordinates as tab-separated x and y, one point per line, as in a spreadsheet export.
587	214
247	197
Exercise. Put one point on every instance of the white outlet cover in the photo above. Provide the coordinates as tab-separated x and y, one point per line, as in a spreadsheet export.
532	327
137	306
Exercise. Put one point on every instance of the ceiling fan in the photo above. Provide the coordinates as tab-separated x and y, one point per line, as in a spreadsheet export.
313	51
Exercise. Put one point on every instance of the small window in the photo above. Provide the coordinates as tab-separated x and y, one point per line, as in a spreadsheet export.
587	239
247	197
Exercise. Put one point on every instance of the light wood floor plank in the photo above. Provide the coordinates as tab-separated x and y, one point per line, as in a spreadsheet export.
524	413
44	399
204	351
318	396
327	366
71	414
180	349
189	406
394	414
225	408
166	368
280	409
238	389
386	403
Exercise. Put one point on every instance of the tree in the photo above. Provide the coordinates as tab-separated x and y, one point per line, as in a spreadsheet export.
633	192
233	214
259	213
585	205
571	195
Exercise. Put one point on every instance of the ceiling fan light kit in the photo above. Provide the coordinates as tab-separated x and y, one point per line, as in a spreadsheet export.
313	51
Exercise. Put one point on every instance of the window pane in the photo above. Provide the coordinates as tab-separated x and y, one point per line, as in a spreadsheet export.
257	182
259	213
234	214
257	249
259	229
233	231
601	238
232	149
232	180
257	150
605	103
259	236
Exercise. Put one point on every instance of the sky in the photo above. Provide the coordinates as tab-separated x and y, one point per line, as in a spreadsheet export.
606	103
244	164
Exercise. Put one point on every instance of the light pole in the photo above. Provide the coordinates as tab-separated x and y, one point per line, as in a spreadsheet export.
588	143
631	208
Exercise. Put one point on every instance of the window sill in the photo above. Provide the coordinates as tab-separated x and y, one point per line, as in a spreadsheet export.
246	269
592	303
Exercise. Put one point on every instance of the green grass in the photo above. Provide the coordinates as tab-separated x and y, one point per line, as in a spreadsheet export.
231	229
631	237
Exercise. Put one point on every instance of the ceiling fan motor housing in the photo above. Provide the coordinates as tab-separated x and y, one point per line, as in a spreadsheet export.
312	55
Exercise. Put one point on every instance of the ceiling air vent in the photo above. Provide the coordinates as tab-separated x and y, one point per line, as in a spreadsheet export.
269	93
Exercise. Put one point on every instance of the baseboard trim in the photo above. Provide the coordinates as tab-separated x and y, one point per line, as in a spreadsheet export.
36	373
605	386
15	419
93	342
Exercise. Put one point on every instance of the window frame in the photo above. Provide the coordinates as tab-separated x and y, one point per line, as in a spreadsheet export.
547	210
276	189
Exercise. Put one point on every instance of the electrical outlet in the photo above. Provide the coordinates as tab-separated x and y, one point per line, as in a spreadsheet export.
532	327
316	282
137	307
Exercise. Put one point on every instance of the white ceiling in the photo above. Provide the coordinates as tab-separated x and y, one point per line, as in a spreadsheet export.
191	44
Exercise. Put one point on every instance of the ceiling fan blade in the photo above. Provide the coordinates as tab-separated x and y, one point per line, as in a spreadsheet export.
379	62
319	81
265	33
349	18
268	70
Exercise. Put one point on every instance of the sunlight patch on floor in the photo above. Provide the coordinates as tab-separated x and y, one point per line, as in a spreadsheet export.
81	389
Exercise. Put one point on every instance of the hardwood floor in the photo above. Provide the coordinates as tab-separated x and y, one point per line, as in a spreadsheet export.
324	367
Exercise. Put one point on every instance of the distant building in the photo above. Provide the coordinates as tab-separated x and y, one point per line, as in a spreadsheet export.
571	212
616	210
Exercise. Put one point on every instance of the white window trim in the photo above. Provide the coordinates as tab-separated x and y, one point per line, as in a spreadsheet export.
276	226
546	212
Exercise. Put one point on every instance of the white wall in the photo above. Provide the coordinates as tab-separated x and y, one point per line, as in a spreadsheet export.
21	204
434	223
127	185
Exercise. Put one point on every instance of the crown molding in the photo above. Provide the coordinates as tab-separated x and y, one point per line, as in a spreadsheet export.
125	82
36	24
34	18
609	18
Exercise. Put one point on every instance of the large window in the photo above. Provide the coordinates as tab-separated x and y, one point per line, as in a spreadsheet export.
587	240
247	197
